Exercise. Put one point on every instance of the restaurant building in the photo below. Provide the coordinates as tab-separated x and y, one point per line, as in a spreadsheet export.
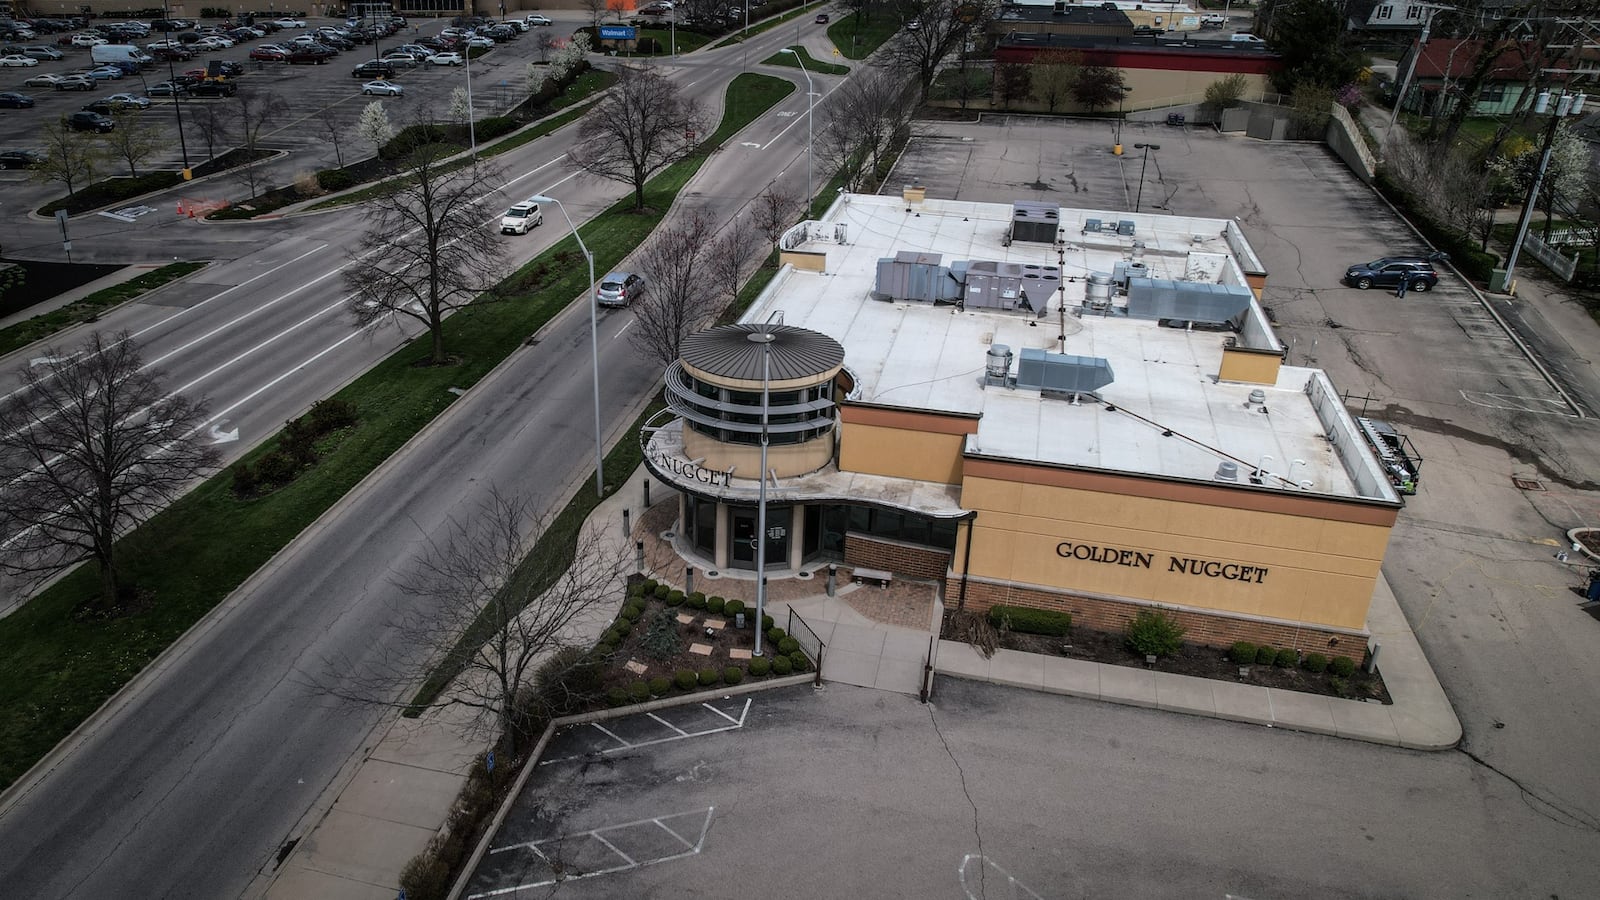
1070	409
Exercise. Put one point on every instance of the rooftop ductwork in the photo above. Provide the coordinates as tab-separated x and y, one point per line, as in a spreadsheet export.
1188	301
916	276
1062	373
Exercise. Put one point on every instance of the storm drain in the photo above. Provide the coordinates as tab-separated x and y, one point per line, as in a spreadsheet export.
1528	484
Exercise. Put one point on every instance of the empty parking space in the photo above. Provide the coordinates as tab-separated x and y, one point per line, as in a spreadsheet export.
576	742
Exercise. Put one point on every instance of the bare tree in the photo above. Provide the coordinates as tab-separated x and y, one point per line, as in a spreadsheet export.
1098	87
1012	82
90	446
864	116
677	262
68	157
133	140
596	10
942	26
427	253
544	42
493	611
729	256
642	126
773	211
332	128
1052	76
214	122
256	111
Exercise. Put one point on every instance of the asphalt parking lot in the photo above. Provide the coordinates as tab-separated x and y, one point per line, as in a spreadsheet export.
498	84
1001	793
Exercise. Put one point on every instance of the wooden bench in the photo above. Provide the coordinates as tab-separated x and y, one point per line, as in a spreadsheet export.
875	576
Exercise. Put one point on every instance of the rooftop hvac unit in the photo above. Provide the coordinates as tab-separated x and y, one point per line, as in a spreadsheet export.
1062	373
1036	223
1097	294
909	275
1005	285
1188	301
997	364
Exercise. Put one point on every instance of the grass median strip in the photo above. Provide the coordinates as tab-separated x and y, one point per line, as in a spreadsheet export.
857	39
90	307
59	669
812	65
768	24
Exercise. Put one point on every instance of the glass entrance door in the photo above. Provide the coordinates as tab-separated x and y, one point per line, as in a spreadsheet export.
744	537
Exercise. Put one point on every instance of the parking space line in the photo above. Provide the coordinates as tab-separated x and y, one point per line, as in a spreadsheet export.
1017	888
1543	405
669	724
735	725
599	835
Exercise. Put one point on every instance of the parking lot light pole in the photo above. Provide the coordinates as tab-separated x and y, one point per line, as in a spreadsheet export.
1145	162
472	127
811	187
594	346
172	76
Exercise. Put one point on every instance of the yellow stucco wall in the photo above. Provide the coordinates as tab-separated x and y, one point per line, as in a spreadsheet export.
808	260
787	460
901	453
1250	365
1316	570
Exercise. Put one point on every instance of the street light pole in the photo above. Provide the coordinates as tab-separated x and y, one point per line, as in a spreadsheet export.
594	347
472	128
1566	105
172	79
764	338
811	187
1144	162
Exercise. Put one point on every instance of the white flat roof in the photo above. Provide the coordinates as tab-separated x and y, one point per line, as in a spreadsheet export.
922	356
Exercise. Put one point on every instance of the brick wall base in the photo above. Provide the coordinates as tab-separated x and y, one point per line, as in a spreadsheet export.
1204	628
910	560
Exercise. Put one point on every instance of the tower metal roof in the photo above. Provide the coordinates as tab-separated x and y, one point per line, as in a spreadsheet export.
735	351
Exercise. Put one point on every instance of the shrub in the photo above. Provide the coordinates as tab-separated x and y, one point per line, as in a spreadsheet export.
659	685
676	597
622	627
1154	633
491	127
733	607
660	639
306	183
332	415
684	679
1242	652
638	692
1286	658
697	601
732	675
716	605
426	875
245	480
799	661
648	45
788	645
767	622
636	592
775	635
709	677
566	682
700	594
1342	666
648	586
1340	686
1027	620
1265	655
631	613
1314	663
760	666
661	591
782	666
616	697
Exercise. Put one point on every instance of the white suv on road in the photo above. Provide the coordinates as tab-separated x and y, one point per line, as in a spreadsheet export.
518	219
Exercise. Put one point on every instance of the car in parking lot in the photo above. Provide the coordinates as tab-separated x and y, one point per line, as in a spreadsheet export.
213	88
1213	20
168	89
314	54
374	68
382	88
14	100
521	217
172	54
105	73
401	60
40	51
126	101
289	23
74	82
269	54
84	120
618	288
18	159
450	58
85	39
1417	272
538	21
17	61
43	79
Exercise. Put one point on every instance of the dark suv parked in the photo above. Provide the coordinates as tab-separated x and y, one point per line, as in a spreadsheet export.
1417	272
83	120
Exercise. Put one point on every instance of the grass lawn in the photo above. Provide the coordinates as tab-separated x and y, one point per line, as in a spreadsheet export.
58	671
858	42
688	41
814	66
42	326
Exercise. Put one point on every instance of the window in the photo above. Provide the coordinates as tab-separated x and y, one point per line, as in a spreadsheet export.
888	523
1386	11
1492	93
1413	14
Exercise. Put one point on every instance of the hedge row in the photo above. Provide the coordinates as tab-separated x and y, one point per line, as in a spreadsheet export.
1027	620
1246	653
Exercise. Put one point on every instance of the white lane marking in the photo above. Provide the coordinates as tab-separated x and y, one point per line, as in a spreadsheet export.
668	724
735	726
973	892
598	834
742	713
624	327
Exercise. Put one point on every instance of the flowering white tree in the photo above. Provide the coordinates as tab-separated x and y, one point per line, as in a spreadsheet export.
460	107
1564	177
374	126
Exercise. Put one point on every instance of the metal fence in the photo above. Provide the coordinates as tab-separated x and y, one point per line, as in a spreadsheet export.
810	643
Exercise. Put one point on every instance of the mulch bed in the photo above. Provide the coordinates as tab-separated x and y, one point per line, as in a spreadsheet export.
721	641
1195	661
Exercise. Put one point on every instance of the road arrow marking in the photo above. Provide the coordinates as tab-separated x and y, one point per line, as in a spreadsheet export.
222	437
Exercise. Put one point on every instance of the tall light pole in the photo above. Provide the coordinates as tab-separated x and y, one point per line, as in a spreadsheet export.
764	338
811	187
172	76
594	348
472	127
1566	105
1145	162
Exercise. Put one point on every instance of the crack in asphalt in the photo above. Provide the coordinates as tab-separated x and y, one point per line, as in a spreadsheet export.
977	833
1540	805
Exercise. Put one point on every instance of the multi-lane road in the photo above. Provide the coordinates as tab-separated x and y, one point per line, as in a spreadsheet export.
200	772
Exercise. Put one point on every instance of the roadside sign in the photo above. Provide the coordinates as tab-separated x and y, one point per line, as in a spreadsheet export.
618	32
